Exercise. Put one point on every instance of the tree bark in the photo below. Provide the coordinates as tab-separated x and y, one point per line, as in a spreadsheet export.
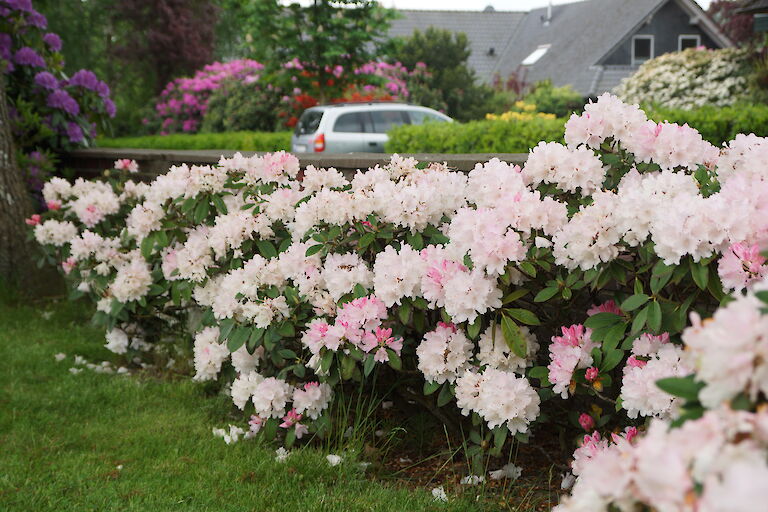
15	205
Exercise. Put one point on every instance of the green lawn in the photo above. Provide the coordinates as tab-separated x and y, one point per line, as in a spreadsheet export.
63	436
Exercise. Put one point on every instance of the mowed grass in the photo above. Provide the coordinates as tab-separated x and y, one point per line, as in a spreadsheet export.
63	436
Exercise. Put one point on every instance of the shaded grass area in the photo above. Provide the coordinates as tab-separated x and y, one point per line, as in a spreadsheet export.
63	436
240	141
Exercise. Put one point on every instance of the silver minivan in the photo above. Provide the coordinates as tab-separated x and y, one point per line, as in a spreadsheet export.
355	127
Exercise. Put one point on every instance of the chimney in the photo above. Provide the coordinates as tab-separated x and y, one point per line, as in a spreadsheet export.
546	20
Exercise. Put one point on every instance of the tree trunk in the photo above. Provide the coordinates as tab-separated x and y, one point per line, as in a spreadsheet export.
15	205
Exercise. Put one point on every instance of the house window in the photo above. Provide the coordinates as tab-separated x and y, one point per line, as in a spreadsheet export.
688	41
535	55
642	49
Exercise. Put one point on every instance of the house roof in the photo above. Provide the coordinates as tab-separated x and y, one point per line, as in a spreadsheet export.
580	35
485	30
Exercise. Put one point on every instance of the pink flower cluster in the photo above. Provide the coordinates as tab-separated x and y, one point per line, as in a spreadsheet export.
567	353
359	323
184	101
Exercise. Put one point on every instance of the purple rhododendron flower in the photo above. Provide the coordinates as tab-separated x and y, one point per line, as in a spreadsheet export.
37	20
102	89
20	5
53	41
109	107
5	46
85	79
26	56
46	80
75	133
62	100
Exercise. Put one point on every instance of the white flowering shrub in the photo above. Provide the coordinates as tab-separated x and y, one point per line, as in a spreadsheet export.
515	298
689	79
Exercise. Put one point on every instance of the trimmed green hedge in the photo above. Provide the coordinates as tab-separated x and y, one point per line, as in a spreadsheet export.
475	136
243	141
717	125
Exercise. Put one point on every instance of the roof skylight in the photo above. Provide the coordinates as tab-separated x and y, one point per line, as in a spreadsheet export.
536	55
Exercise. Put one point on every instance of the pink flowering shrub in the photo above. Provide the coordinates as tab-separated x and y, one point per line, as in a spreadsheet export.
516	299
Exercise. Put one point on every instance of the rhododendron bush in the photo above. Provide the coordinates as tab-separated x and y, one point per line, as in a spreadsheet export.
557	295
689	79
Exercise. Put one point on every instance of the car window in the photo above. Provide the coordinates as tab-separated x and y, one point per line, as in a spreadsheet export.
350	123
421	117
309	122
385	120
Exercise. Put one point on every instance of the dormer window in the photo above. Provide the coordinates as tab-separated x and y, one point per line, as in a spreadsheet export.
534	57
642	49
686	41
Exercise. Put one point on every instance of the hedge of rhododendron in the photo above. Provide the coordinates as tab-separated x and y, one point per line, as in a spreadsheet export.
185	103
690	79
557	295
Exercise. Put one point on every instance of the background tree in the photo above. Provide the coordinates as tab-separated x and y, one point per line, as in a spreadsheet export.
738	27
322	38
15	204
445	53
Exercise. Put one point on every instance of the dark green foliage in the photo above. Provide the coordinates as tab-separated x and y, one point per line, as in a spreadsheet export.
238	106
718	125
445	53
475	136
242	141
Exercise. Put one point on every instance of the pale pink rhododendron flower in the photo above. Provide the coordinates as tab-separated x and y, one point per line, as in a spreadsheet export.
53	204
653	358
569	352
33	220
126	164
741	266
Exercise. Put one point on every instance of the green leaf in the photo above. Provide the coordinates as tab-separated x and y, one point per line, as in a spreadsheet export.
404	313
360	291
201	212
601	320
654	316
513	296
685	387
634	302
527	268
369	364
267	250
614	335
326	360
367	239
313	250
254	341
445	395
225	327
473	329
639	321
700	274
539	372
394	360
237	338
546	294
612	358
147	245
523	316
430	387
219	204
514	337
286	330
347	367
